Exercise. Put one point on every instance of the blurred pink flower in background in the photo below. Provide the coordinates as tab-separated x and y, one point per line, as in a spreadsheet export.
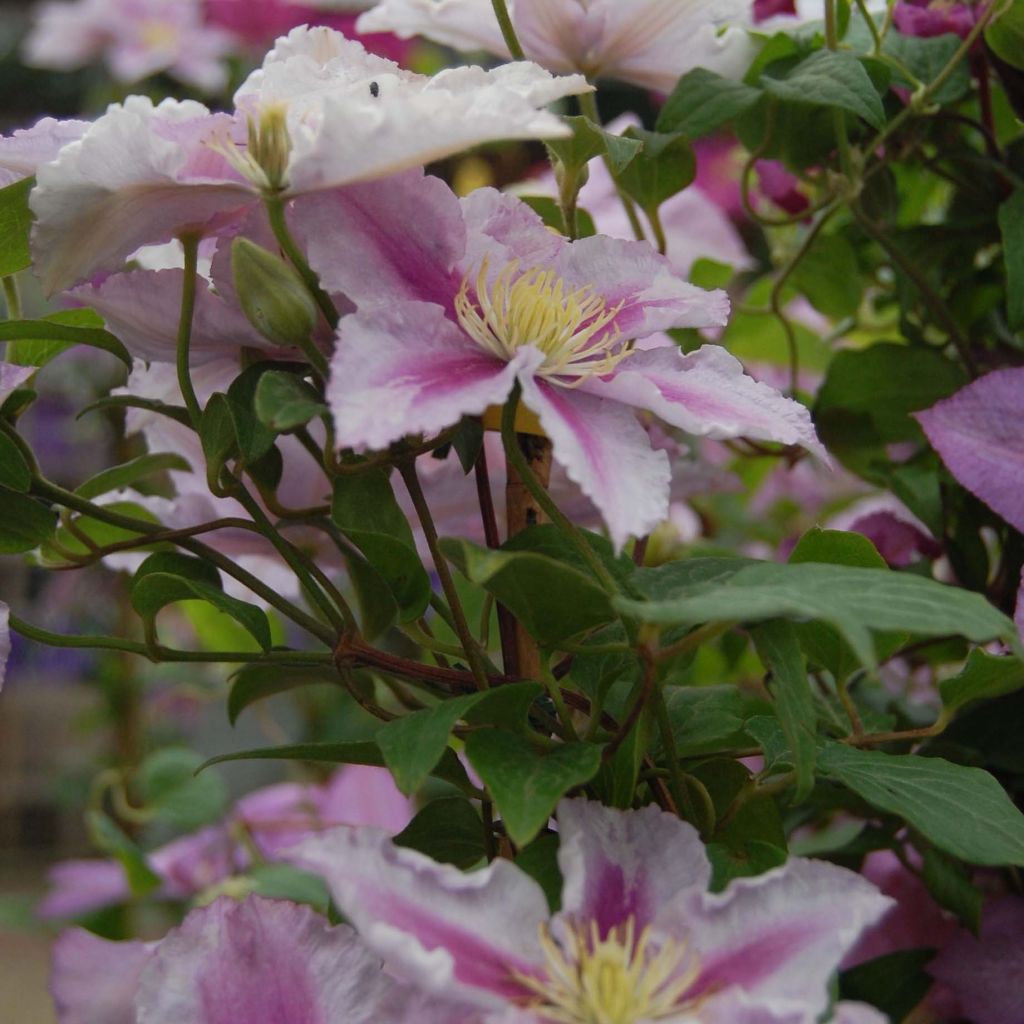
935	17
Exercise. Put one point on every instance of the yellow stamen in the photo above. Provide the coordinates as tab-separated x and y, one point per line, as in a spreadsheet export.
618	979
536	307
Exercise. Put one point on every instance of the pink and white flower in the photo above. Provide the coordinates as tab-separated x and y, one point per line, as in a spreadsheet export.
23	151
320	113
458	301
638	936
259	961
650	43
136	38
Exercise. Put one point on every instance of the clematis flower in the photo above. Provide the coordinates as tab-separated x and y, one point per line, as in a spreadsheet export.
270	819
638	937
650	43
459	300
320	113
259	961
136	38
935	17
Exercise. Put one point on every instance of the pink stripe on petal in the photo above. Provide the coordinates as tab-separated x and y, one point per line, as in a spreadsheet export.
449	932
706	393
406	369
605	450
616	866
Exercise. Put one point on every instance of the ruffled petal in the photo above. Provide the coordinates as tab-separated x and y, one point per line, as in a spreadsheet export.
407	369
263	962
604	449
706	393
443	930
93	980
400	238
461	24
979	432
618	866
501	228
140	175
780	936
24	151
142	308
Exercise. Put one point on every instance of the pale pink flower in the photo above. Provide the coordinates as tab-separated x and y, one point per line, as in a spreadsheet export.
258	961
637	927
325	113
459	300
13	377
650	43
24	150
136	39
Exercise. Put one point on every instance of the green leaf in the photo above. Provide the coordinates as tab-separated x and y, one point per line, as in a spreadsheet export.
449	830
779	649
984	676
217	435
925	58
170	789
836	547
855	601
448	768
129	473
540	861
283	882
15	222
830	79
552	600
895	983
284	401
1006	35
950	884
526	786
156	589
174	412
413	744
963	811
24	522
15	473
589	140
702	102
1011	225
258	682
254	438
550	212
664	167
107	837
708	718
366	511
829	276
37	341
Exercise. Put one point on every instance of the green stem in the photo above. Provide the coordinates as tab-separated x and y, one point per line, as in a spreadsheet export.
508	31
190	243
12	297
540	495
275	206
876	36
469	645
677	783
555	693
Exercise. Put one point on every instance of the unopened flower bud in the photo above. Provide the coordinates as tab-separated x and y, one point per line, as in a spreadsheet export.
272	295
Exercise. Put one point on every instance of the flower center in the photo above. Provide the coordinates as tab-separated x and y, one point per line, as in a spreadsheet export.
618	979
536	307
264	159
157	34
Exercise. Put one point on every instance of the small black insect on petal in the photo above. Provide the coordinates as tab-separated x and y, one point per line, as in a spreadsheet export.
374	90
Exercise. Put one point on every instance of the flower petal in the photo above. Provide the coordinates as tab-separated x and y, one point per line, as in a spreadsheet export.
263	962
604	449
780	936
857	1013
79	886
707	393
444	930
501	228
461	24
142	308
5	640
979	432
140	175
93	980
407	369
401	238
618	865
12	377
24	151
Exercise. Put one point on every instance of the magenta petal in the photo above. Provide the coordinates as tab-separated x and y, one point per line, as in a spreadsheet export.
365	795
407	369
979	432
93	980
618	866
604	449
400	237
987	972
262	962
780	936
444	930
706	393
142	309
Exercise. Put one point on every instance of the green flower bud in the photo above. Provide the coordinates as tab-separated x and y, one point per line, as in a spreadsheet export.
272	295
